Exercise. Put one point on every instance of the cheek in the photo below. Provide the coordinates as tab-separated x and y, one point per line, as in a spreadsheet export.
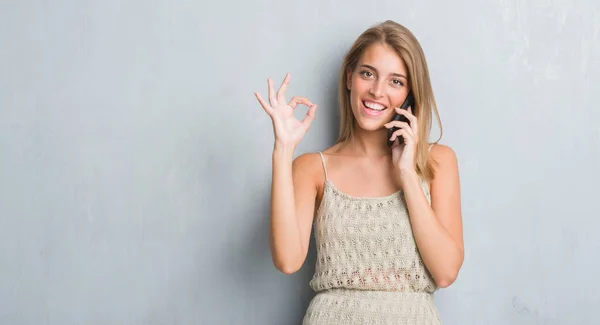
398	97
359	85
356	93
389	115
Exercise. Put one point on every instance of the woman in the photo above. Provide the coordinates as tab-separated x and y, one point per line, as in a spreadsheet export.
387	220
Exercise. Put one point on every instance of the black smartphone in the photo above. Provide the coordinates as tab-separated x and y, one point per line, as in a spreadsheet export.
409	101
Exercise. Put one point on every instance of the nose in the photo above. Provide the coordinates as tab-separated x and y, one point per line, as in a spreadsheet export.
376	89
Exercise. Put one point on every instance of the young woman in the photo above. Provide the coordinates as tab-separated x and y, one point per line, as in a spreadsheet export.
387	220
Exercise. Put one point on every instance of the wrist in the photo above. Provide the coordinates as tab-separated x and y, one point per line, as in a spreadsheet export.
406	175
283	150
408	172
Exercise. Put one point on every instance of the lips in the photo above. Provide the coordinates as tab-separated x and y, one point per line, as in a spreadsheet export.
373	108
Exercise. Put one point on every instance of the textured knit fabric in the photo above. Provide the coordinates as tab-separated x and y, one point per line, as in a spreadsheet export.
368	268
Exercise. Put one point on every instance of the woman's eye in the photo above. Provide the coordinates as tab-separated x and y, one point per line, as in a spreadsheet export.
367	73
397	82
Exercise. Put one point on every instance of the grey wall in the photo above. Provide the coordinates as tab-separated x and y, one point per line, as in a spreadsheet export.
135	160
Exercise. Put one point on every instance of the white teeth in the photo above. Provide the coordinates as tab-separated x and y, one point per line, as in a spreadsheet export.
374	106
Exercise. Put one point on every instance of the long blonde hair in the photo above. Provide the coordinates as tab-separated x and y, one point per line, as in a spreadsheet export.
408	48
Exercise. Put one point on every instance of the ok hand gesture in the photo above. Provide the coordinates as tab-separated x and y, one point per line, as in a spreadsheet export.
288	130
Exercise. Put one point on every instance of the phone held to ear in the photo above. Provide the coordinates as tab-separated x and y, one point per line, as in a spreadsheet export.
409	101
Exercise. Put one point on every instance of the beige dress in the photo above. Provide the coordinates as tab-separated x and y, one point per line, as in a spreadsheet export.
368	268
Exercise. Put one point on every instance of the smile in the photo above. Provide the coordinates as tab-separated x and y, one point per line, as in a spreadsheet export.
372	108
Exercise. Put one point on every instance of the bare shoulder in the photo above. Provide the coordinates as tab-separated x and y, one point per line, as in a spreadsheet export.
312	160
445	185
308	166
442	151
444	157
307	161
309	172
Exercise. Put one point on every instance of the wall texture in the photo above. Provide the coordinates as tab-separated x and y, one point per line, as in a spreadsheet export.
135	160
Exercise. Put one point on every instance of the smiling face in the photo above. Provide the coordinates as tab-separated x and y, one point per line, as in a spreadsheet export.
377	85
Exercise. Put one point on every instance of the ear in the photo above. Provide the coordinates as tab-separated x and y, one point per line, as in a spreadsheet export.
348	78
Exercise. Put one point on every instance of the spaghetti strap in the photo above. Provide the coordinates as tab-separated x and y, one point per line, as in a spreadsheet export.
430	145
323	162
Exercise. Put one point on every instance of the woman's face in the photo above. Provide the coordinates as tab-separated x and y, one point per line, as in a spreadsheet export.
377	85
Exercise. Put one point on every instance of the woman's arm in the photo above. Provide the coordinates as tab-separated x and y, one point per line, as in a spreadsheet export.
437	227
293	196
293	189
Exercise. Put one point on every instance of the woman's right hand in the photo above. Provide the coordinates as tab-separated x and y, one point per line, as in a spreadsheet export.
288	130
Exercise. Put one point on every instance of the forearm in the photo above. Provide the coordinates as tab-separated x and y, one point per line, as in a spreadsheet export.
439	251
285	240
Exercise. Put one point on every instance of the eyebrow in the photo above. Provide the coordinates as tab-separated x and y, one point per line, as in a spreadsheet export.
393	74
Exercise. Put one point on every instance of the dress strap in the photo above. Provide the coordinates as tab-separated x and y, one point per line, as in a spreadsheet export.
323	162
431	145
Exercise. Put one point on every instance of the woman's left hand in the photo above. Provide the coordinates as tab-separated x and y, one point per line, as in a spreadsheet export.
404	155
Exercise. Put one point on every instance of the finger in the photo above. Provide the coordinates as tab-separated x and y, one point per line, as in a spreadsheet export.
403	111
398	124
310	116
401	125
272	98
395	135
264	104
283	88
401	133
411	118
299	100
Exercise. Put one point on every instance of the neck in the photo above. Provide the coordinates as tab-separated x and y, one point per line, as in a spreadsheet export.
369	143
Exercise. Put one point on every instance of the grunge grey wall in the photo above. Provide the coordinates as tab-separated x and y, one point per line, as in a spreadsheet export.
135	160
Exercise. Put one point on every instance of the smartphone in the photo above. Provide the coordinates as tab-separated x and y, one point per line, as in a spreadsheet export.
409	101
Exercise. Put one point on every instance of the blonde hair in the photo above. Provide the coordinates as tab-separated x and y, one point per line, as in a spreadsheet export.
409	50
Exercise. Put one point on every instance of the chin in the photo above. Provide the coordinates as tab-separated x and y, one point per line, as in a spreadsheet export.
369	125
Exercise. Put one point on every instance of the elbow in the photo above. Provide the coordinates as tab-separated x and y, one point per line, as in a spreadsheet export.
288	270
449	277
287	263
287	267
446	280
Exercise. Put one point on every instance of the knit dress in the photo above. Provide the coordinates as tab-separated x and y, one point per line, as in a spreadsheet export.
368	268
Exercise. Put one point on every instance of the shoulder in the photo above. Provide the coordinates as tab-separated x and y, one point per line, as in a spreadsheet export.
444	164
315	162
442	154
308	165
307	160
308	170
313	159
